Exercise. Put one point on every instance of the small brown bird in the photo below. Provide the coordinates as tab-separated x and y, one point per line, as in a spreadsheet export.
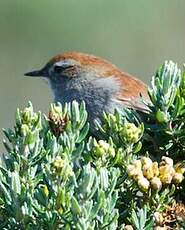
78	76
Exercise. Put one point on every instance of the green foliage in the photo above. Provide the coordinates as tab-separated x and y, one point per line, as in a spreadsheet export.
56	175
140	219
168	110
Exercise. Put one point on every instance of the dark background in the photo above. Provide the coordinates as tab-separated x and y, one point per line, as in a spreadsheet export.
135	35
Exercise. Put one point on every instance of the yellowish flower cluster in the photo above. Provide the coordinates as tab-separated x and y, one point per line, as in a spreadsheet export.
60	167
103	149
58	164
130	133
30	122
149	174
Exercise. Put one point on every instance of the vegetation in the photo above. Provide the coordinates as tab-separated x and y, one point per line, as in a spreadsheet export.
56	175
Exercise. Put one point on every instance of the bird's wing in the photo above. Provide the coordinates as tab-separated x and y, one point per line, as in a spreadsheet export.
133	92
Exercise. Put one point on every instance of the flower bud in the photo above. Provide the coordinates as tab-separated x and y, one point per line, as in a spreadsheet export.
101	148
58	162
138	176
166	174
61	167
166	179
58	165
130	133
166	161
156	183
155	169
143	184
134	171
146	162
151	171
148	172
57	120
178	178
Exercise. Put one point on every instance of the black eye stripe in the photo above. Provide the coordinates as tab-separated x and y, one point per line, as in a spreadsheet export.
58	69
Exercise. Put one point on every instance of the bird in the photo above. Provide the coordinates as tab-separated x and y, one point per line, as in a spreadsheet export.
94	80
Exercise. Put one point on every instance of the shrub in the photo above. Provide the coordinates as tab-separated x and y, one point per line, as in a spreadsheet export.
56	175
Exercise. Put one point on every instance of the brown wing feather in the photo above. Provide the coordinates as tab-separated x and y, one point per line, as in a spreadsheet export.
132	92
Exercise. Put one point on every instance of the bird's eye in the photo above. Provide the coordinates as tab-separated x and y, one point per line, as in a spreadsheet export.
57	69
60	68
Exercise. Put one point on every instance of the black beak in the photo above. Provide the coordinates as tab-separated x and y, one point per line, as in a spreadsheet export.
35	73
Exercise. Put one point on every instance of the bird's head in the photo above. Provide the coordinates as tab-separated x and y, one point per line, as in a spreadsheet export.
71	65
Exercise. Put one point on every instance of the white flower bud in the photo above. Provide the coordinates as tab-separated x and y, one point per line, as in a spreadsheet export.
156	183
178	178
143	184
146	162
167	161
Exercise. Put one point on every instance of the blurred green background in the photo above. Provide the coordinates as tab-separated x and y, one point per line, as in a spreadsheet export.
135	35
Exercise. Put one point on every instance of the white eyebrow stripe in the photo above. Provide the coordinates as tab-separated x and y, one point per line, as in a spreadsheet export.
65	63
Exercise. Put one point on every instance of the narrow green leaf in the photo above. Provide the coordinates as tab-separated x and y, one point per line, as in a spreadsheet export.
15	183
83	133
76	209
